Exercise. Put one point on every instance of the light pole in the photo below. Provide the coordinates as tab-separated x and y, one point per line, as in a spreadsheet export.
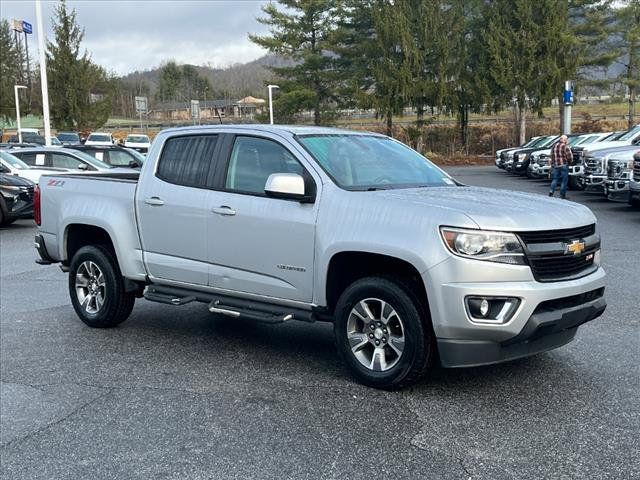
271	87
43	75
15	92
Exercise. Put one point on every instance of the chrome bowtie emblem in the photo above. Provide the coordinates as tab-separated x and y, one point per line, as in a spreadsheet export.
576	248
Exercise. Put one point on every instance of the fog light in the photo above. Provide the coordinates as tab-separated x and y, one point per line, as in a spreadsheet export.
484	307
597	258
493	310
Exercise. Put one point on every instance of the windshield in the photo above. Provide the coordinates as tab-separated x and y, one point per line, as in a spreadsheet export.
99	138
631	133
590	139
55	141
367	162
15	162
576	141
68	137
548	141
91	160
137	139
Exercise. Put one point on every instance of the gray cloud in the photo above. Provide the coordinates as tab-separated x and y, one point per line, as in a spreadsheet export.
124	36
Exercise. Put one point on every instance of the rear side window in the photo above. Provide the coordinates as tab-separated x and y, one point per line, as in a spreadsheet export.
186	160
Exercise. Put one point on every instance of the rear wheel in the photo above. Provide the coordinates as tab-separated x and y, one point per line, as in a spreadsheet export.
383	333
97	288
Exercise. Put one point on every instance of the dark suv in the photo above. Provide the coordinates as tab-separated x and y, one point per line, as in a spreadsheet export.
16	198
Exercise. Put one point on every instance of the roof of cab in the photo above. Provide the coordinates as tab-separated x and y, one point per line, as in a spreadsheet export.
278	129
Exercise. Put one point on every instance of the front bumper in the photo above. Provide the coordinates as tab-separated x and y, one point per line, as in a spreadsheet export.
490	343
543	331
594	183
617	190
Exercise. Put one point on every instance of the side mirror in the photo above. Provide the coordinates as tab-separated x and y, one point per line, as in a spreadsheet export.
82	166
288	186
134	164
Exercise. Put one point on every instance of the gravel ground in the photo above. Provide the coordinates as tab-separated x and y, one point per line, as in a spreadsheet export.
176	393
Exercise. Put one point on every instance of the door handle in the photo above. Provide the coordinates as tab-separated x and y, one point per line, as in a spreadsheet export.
224	210
154	201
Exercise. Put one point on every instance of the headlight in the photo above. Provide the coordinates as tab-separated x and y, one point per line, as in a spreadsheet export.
498	247
13	188
522	156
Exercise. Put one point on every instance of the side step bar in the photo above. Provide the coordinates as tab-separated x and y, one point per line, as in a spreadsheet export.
230	306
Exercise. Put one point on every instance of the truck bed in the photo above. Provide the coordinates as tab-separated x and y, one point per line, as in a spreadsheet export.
105	201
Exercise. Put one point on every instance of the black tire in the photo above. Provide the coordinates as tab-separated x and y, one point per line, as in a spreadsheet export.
117	304
419	346
574	184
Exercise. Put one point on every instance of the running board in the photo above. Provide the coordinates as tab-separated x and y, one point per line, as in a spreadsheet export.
255	315
154	296
230	306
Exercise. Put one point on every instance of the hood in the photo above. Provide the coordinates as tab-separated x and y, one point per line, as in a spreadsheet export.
606	152
493	209
605	145
14	180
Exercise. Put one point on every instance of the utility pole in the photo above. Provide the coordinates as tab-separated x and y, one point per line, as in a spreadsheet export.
43	75
270	88
15	92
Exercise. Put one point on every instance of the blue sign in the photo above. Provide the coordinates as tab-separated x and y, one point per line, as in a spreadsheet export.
26	27
568	97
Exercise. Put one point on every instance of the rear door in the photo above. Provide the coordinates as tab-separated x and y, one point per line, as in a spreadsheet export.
258	244
172	208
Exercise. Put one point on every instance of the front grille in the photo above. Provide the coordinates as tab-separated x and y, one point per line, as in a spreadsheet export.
616	169
593	166
550	236
577	157
547	264
636	170
548	269
30	192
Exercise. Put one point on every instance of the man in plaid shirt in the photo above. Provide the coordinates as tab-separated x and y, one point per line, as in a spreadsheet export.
561	157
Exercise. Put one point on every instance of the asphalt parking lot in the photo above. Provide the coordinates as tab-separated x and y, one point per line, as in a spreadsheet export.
176	393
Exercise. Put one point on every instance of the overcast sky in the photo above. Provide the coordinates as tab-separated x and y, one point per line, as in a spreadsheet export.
124	36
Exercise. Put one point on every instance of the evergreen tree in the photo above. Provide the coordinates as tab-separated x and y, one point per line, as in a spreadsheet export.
524	40
78	89
9	71
628	26
301	32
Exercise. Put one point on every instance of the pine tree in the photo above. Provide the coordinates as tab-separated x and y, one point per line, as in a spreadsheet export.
628	25
301	32
9	71
78	89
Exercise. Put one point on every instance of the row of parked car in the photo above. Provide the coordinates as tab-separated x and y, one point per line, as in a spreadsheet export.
21	166
135	141
605	163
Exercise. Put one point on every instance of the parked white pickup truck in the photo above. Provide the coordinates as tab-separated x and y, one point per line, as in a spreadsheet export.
274	223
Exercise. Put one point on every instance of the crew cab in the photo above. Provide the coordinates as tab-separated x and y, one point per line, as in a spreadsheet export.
282	223
595	167
12	165
619	174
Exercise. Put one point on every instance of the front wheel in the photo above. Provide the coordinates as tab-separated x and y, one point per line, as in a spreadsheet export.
97	288
383	333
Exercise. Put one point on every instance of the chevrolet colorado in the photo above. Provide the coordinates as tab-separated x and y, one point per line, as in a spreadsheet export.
277	223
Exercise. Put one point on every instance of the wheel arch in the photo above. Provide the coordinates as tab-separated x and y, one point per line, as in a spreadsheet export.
346	267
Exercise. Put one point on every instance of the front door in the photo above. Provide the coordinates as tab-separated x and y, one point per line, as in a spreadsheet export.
172	209
257	244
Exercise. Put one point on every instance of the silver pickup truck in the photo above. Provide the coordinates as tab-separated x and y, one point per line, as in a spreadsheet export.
275	223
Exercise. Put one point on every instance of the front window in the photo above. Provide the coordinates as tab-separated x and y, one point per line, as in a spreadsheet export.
368	162
94	162
121	158
631	133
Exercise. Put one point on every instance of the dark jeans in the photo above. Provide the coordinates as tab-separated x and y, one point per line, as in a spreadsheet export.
560	174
